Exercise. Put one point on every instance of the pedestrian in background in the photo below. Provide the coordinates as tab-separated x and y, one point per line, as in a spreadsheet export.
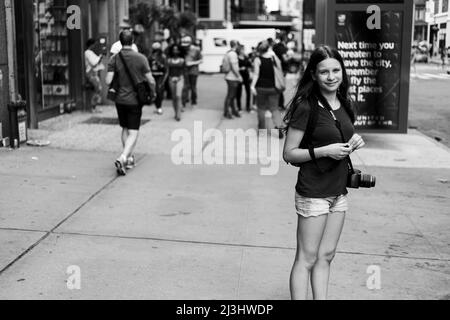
193	60
414	58
176	65
264	87
117	46
252	56
281	51
443	53
233	78
129	109
93	63
321	195
244	68
160	71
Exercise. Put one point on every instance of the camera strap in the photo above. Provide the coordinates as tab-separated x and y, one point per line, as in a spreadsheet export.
327	106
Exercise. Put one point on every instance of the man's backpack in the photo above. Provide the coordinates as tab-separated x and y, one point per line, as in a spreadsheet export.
226	64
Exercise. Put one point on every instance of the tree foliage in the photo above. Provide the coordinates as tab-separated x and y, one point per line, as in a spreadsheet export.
168	17
145	14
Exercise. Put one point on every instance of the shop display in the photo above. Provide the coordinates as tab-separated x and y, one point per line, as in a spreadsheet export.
54	52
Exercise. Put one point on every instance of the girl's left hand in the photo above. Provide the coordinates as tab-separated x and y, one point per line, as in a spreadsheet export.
254	92
356	142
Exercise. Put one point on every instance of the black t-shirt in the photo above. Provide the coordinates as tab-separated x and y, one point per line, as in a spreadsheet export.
158	65
311	182
266	74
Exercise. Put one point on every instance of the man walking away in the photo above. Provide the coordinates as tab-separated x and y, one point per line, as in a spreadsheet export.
193	60
129	109
233	79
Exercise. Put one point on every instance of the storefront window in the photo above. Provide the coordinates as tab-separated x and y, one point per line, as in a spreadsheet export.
51	53
444	6
203	8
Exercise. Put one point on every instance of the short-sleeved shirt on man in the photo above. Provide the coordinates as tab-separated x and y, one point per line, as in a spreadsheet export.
234	61
139	67
194	54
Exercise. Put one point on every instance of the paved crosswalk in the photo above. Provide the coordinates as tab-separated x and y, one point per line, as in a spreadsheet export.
430	76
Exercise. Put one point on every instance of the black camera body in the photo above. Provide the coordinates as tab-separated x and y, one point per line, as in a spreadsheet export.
358	180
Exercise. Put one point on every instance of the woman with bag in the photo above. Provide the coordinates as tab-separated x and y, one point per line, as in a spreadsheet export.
94	65
318	146
264	86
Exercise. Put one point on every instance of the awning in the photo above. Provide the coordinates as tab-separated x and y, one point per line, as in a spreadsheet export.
267	24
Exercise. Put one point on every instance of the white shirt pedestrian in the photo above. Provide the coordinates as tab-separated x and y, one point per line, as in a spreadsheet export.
116	47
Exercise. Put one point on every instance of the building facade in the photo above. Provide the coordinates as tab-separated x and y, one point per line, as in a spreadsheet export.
43	60
7	67
211	14
438	20
420	24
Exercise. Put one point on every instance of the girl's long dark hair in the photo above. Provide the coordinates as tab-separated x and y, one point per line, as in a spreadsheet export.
308	89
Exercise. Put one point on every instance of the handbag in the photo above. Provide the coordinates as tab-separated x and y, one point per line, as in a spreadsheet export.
145	95
280	80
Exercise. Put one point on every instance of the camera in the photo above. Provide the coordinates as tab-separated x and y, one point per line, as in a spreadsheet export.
358	180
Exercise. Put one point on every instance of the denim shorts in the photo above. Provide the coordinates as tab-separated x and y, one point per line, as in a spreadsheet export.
309	207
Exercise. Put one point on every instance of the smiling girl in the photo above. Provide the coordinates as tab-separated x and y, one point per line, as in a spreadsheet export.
321	194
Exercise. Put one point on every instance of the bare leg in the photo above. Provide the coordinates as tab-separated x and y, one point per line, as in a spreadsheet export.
276	117
130	144
174	85
125	134
309	235
321	272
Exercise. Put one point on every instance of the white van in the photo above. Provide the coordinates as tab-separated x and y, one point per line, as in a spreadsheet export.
216	43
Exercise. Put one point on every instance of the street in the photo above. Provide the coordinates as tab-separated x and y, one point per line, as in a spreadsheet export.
429	102
72	229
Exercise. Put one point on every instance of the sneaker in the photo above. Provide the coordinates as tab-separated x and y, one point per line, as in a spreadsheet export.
131	163
159	112
194	106
120	166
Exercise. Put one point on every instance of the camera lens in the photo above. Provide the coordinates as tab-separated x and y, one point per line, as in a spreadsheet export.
368	181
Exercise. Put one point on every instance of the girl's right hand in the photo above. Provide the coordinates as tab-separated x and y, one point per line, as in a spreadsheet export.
254	92
338	151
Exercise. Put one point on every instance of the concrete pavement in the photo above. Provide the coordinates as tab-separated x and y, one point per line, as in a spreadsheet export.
209	232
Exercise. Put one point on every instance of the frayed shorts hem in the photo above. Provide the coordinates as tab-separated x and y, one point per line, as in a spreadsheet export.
311	207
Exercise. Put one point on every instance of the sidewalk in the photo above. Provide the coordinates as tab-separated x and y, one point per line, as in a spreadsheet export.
209	232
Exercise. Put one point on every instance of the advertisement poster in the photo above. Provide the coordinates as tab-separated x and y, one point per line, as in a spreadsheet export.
373	63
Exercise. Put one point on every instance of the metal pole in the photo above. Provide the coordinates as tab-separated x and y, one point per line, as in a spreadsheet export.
300	27
321	21
11	47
